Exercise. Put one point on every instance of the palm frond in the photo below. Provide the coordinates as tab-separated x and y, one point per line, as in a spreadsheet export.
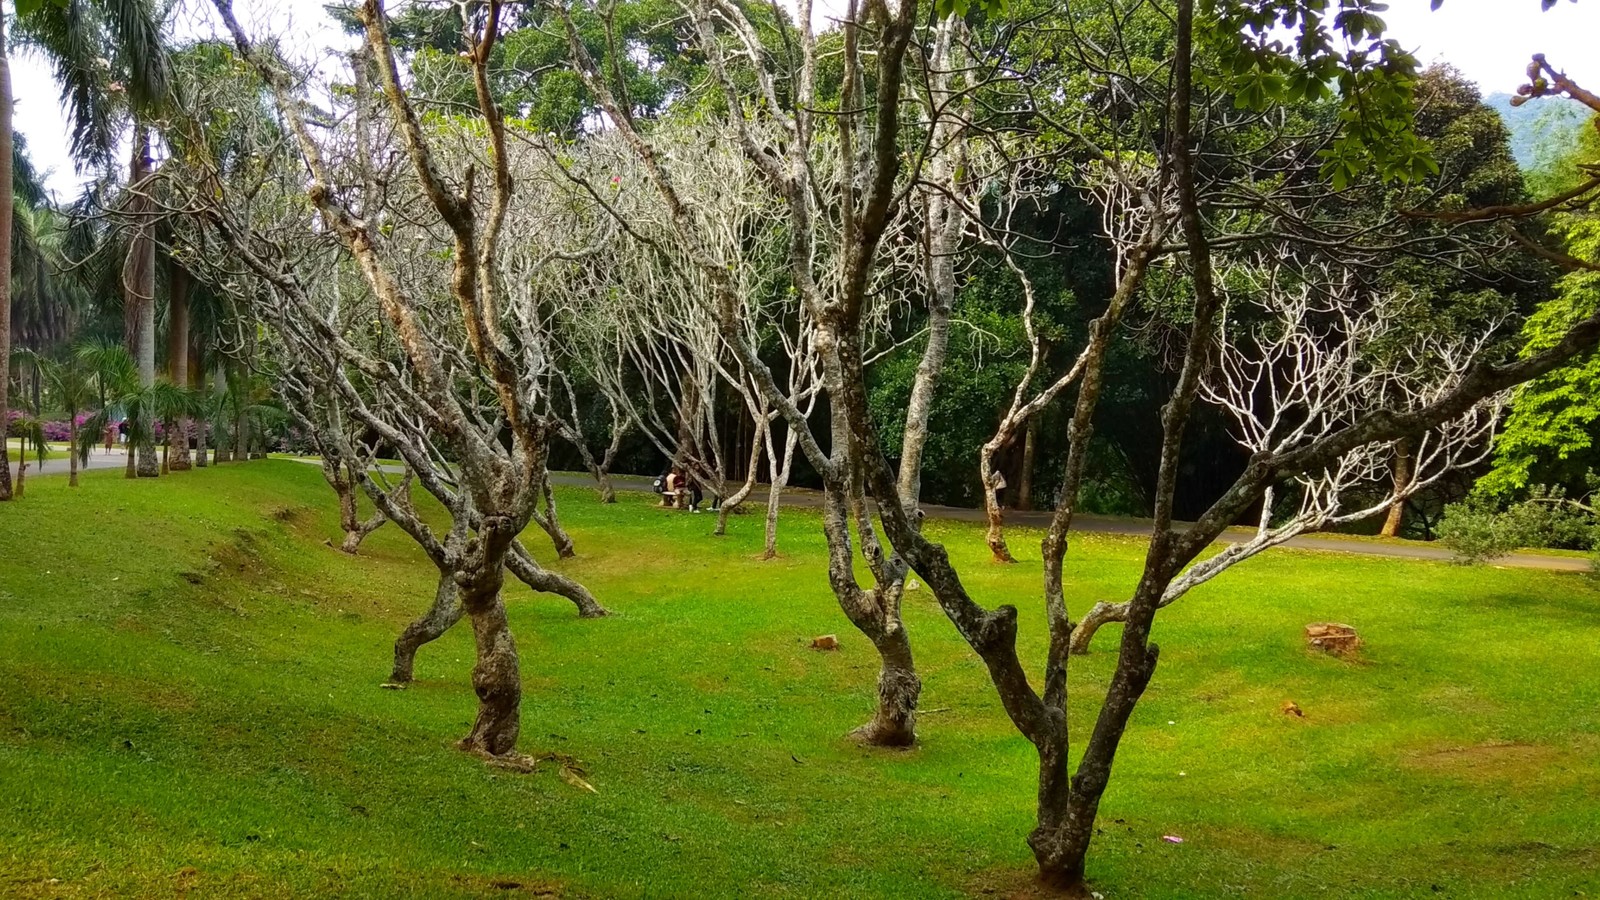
109	58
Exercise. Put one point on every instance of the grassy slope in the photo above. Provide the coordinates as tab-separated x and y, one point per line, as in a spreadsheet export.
188	700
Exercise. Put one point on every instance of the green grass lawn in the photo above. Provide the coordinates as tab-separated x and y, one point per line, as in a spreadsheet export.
189	706
54	450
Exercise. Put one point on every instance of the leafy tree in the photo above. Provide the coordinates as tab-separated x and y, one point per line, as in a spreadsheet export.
1549	435
110	61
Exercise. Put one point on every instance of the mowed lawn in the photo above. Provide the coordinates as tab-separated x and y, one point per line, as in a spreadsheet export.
189	706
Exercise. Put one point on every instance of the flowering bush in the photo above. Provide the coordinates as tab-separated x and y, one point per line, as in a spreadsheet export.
61	431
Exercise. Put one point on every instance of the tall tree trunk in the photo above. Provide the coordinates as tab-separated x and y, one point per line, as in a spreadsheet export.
178	357
72	448
894	722
931	367
201	427
729	504
1030	443
219	390
995	536
241	436
619	430
1402	481
5	265
139	290
875	612
445	612
780	480
497	676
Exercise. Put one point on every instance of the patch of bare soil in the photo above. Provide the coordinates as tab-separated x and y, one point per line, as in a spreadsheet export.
1019	884
1488	760
508	886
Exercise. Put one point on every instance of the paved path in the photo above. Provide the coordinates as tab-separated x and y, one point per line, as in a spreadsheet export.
102	459
1135	527
99	458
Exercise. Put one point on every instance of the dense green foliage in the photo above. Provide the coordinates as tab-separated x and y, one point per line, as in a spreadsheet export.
1482	531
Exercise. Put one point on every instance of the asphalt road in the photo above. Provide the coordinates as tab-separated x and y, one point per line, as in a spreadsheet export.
1136	527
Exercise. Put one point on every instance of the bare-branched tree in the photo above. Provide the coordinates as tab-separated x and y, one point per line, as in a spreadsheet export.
466	372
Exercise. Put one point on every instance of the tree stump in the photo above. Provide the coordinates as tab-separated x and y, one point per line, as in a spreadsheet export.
1332	637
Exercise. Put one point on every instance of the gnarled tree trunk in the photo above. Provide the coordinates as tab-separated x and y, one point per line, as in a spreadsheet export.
995	536
894	723
355	528
550	523
529	572
497	676
445	612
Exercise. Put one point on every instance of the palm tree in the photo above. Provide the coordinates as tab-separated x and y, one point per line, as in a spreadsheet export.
113	69
45	297
6	196
72	386
141	406
248	412
32	432
114	374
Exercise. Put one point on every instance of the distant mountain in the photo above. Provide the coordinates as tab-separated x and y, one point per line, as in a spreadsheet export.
1542	130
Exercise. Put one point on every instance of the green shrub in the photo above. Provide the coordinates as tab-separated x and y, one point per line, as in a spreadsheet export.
1479	530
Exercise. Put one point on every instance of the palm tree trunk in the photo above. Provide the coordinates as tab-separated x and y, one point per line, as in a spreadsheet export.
178	358
199	371
219	389
5	263
139	286
72	448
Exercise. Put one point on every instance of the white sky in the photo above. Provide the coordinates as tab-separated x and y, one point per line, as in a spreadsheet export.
1489	40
